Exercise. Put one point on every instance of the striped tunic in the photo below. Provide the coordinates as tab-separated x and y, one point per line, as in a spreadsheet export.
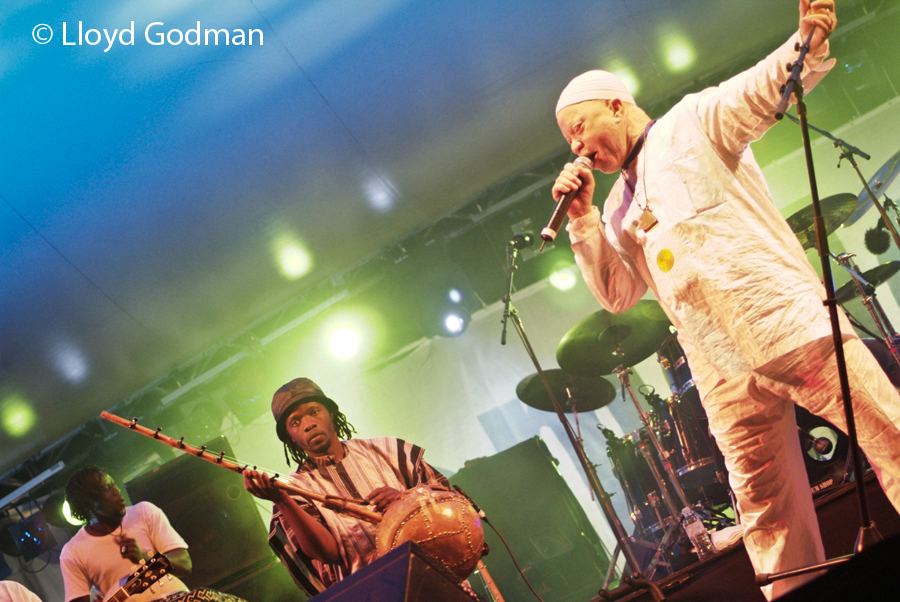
367	465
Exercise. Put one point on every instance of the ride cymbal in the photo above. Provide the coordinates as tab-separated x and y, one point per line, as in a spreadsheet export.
588	394
835	211
604	340
879	183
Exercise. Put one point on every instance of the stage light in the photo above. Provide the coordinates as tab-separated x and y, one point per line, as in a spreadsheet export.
563	279
455	295
16	416
294	260
679	53
70	362
455	322
380	194
624	73
343	343
56	512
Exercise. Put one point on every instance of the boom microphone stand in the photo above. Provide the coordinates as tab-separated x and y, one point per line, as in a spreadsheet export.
636	581
867	533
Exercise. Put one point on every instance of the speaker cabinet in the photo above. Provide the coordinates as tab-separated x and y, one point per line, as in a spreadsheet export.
527	500
402	575
211	510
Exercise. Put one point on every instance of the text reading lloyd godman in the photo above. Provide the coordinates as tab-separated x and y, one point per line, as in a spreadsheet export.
155	34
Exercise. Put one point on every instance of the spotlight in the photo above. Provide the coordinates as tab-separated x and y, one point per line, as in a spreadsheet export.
344	343
455	321
57	513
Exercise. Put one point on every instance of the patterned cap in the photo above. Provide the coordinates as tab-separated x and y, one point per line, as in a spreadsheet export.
594	85
293	394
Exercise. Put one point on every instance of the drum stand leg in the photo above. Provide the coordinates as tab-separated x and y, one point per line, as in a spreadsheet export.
623	374
588	467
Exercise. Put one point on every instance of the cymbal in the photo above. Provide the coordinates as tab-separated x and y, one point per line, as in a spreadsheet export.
835	210
590	347
879	183
875	276
587	393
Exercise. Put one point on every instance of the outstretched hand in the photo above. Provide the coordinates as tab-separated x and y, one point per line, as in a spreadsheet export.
819	14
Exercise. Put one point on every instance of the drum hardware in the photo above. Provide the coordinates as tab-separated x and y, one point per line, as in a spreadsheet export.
665	457
604	340
835	211
864	285
623	541
878	184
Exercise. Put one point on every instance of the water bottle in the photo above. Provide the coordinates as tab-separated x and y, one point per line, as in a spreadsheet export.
697	533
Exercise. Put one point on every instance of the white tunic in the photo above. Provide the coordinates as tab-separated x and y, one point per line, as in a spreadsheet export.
739	289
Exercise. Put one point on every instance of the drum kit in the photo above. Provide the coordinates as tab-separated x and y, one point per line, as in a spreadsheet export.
671	462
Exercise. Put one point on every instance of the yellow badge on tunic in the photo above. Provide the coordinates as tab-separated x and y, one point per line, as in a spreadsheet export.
665	260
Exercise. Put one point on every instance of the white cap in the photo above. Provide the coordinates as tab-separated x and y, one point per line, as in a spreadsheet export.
594	85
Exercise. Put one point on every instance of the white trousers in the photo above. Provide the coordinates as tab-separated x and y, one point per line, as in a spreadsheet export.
752	420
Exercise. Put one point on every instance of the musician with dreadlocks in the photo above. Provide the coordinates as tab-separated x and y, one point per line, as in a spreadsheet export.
317	436
114	538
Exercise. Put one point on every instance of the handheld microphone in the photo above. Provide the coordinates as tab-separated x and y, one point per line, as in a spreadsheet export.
562	207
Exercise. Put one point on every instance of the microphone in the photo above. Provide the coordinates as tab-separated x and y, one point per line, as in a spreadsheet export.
521	241
559	213
877	240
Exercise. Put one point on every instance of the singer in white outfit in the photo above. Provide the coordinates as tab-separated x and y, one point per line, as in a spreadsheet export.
691	218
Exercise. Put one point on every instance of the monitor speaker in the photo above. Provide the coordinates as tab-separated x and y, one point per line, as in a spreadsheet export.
211	510
527	500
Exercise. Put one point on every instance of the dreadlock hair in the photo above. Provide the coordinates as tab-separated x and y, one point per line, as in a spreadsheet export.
342	427
83	490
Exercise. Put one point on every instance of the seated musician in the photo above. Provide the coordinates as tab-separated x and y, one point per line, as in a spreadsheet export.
115	538
317	436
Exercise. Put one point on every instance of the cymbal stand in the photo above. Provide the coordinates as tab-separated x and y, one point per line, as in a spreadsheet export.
867	534
636	581
571	403
664	456
586	465
847	152
870	302
623	374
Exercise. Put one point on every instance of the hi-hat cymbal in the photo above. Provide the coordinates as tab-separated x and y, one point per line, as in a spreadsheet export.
875	276
879	183
835	211
587	393
604	340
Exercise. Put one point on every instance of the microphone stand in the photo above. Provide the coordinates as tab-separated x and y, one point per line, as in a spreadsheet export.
636	580
847	152
867	534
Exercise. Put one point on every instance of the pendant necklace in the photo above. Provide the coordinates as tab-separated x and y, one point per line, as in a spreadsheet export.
647	221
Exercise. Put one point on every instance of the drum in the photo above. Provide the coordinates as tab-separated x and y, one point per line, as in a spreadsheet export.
698	458
645	504
671	358
443	524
